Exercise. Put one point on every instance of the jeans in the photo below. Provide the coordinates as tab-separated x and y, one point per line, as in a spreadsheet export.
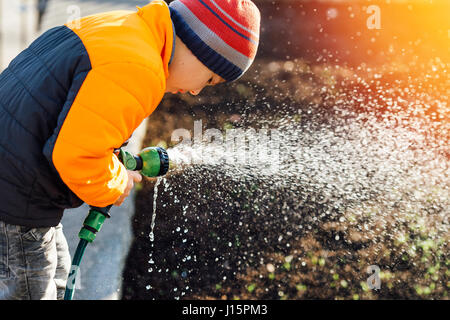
34	262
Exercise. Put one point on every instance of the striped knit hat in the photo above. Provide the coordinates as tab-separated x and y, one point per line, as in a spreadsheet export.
222	34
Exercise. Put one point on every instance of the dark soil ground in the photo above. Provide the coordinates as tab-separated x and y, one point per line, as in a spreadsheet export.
213	243
232	247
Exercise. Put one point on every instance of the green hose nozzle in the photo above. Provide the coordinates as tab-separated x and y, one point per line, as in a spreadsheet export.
151	162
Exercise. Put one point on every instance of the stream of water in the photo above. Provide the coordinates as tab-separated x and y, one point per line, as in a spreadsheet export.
386	172
155	196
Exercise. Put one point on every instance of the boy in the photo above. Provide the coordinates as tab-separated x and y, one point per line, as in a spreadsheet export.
77	93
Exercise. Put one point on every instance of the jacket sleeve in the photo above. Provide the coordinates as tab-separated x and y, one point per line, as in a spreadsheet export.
111	103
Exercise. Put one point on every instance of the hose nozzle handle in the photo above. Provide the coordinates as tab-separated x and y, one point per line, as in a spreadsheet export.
151	161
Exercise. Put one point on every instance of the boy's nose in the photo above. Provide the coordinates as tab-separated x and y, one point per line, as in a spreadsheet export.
195	92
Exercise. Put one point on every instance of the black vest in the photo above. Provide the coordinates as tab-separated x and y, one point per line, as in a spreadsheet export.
36	93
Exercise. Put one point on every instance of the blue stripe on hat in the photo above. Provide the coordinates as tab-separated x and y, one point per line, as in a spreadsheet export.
225	23
209	57
234	21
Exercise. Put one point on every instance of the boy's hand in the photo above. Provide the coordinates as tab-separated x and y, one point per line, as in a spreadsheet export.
133	177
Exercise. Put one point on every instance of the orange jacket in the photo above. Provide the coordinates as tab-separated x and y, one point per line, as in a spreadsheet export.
129	54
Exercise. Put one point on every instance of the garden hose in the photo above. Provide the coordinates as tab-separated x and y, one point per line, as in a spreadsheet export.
151	162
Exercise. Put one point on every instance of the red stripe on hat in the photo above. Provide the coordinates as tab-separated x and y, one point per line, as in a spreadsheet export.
216	26
246	20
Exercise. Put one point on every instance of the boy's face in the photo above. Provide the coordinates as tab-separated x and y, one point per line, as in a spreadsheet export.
187	73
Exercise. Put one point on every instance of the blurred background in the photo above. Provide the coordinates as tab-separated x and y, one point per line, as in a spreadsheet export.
345	30
21	21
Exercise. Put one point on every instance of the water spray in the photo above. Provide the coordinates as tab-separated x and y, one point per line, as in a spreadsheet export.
151	162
